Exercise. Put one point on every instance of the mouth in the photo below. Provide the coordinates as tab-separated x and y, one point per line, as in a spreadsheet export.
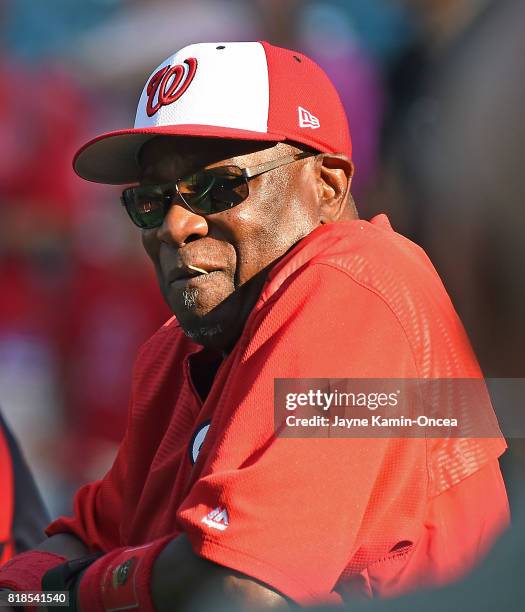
198	270
182	277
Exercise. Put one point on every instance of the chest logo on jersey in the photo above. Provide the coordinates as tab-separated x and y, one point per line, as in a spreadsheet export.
197	440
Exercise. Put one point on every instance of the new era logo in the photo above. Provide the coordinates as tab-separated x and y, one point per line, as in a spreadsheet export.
307	120
217	519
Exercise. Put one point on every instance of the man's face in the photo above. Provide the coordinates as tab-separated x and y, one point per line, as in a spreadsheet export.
235	247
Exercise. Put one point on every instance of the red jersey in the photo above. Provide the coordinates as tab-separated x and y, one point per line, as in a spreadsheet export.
312	518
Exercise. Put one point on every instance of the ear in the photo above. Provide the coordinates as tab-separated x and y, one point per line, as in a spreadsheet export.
334	180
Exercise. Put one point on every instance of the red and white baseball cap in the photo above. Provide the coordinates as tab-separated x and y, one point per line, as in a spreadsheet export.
236	90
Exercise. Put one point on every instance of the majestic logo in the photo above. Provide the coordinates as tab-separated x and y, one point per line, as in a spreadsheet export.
168	84
198	440
217	519
121	573
307	120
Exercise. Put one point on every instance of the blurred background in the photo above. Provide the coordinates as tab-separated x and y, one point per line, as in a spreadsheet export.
434	92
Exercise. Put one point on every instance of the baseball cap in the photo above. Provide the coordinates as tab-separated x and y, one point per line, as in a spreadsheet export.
234	90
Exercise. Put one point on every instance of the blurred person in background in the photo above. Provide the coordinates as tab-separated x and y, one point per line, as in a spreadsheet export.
452	156
23	516
452	170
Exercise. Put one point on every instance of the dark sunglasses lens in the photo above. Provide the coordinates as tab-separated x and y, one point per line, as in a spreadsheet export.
214	190
147	205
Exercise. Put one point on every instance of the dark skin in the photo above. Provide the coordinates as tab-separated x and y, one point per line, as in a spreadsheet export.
240	245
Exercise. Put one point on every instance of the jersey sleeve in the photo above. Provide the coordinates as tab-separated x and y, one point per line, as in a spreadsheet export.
291	513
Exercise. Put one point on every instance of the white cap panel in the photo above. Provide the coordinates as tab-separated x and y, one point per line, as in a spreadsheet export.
229	89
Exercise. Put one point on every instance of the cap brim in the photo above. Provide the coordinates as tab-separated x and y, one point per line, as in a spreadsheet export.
112	158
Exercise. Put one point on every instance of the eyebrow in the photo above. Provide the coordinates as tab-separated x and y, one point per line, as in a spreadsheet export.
152	172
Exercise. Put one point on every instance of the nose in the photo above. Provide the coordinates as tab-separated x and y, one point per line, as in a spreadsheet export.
181	226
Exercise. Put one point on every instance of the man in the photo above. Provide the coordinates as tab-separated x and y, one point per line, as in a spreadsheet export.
240	159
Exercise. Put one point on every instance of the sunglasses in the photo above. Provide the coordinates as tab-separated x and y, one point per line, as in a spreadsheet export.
206	192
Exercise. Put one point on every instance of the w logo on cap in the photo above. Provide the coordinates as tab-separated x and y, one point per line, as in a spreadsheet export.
307	120
168	84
